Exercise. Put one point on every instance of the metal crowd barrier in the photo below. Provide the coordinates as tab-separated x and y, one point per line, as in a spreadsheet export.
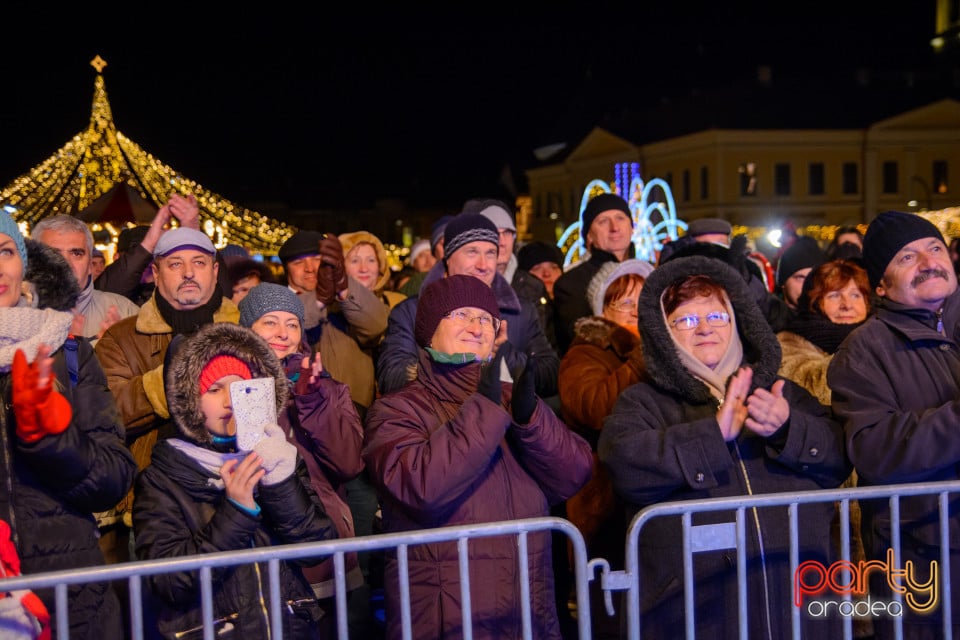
696	539
703	538
134	572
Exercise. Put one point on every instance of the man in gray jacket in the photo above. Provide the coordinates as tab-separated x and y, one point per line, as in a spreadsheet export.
896	384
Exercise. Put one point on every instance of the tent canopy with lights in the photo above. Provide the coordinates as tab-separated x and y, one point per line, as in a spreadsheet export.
103	177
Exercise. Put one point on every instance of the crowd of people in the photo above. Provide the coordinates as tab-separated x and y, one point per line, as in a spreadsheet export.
491	383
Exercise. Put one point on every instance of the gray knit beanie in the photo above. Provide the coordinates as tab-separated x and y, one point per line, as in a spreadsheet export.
9	227
267	297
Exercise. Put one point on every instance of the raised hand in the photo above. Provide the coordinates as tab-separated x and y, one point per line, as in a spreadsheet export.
331	257
310	373
733	411
185	209
767	410
40	410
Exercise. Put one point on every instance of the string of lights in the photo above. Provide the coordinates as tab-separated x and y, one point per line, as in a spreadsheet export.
97	159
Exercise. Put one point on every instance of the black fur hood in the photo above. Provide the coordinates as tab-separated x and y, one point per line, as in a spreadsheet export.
186	365
760	347
53	281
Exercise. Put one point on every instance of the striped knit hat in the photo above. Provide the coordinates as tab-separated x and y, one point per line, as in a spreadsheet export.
466	228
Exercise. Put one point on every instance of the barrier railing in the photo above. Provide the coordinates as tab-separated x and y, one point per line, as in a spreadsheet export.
713	537
696	539
134	572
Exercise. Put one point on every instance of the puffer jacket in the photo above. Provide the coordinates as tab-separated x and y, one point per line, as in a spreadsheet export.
662	443
180	509
52	487
896	385
397	363
442	455
603	360
324	426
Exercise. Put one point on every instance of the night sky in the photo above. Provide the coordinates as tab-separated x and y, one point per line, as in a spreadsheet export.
330	107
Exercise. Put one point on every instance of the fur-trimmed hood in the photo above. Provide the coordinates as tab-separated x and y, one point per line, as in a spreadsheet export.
760	347
183	373
52	278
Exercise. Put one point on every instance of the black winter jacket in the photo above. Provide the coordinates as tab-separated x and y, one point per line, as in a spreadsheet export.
51	488
662	443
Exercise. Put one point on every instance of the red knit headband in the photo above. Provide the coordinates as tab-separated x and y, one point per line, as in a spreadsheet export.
221	366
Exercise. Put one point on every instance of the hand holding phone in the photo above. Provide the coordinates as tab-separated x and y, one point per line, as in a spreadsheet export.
254	406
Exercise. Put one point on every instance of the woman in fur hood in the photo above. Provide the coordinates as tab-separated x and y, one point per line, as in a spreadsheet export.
201	495
62	455
714	420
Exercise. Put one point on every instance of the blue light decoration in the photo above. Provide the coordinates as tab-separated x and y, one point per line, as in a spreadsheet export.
655	221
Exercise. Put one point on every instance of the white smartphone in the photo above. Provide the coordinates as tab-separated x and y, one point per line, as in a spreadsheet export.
254	406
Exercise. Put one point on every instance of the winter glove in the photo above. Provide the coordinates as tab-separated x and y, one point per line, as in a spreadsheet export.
279	456
40	411
515	359
524	399
489	384
332	274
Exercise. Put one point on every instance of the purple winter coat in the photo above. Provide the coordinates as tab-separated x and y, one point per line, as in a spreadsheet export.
441	455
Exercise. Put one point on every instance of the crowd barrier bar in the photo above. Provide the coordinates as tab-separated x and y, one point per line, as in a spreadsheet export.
133	572
715	537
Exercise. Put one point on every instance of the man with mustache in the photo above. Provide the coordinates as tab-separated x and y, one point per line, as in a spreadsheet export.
896	384
132	351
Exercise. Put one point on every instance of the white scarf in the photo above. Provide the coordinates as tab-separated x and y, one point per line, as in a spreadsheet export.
209	459
23	327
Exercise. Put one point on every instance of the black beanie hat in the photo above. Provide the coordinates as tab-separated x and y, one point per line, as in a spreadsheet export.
532	254
468	227
441	297
599	204
804	252
889	232
302	243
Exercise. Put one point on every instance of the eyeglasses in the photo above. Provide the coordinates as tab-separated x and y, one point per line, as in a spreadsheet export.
692	321
627	305
462	318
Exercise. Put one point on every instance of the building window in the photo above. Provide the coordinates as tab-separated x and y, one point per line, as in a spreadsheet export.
704	183
890	177
816	179
686	185
748	178
940	176
850	181
781	179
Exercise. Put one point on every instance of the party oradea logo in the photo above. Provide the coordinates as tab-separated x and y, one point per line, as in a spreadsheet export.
826	586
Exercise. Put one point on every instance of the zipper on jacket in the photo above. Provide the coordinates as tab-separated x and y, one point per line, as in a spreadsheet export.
191	630
763	555
260	598
940	321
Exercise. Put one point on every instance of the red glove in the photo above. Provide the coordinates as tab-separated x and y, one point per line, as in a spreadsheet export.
331	257
40	411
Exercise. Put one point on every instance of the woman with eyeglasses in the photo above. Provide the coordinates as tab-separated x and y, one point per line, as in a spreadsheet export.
467	442
604	358
715	420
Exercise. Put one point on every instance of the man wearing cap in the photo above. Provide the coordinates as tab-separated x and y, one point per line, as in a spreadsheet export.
129	274
606	225
797	261
472	244
526	285
132	351
95	310
896	385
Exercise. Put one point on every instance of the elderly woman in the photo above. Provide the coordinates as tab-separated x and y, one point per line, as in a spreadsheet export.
63	457
458	446
715	421
834	301
319	419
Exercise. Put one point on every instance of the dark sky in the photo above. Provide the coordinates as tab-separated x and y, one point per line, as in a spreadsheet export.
328	107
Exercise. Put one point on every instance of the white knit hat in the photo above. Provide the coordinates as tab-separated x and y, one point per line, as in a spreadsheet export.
609	272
